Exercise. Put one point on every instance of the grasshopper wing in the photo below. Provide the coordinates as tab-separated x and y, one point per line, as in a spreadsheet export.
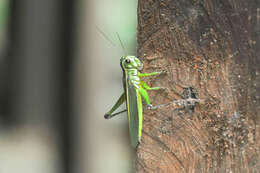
135	114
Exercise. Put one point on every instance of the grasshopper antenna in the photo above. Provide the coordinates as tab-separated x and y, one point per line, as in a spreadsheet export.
105	36
121	43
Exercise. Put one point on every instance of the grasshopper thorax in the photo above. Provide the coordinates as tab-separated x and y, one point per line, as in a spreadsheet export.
131	63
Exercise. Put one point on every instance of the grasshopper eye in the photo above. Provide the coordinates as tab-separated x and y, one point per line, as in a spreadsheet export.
127	61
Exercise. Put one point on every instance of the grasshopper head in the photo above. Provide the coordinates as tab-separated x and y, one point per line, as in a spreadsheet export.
131	62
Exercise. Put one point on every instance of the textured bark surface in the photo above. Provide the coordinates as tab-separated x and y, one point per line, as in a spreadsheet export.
214	48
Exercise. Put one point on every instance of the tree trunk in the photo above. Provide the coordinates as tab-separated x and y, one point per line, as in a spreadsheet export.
211	52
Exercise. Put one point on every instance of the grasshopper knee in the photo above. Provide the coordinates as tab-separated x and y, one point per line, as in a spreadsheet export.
107	116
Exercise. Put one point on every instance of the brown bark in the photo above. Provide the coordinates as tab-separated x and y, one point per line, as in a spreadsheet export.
213	48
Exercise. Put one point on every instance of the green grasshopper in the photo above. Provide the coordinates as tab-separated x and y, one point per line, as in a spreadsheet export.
134	91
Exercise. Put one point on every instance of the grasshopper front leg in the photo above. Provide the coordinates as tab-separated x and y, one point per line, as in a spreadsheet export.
145	87
150	74
119	102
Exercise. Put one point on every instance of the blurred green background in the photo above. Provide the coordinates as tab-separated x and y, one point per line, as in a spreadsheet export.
100	146
3	22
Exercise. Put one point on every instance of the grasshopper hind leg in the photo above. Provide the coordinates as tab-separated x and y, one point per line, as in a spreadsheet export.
119	102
